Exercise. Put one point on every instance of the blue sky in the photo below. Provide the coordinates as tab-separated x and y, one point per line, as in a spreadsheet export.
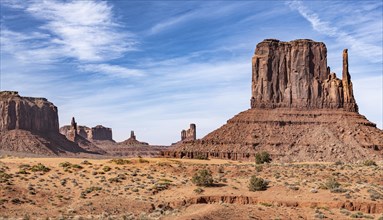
156	66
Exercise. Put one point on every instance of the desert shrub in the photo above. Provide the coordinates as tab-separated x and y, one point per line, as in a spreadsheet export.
106	169
361	215
262	157
257	184
203	178
201	157
198	190
141	160
85	162
92	189
89	190
266	204
119	178
331	184
4	177
25	166
369	163
161	186
65	164
120	161
166	180
258	168
40	168
22	171
338	163
338	190
76	166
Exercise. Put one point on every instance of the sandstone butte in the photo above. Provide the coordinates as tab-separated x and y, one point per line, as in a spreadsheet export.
30	125
300	111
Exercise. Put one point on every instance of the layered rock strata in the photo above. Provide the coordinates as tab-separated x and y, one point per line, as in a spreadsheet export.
300	111
189	134
98	132
30	125
27	113
295	75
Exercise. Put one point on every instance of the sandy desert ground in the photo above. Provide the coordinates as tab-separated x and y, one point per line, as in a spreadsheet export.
160	188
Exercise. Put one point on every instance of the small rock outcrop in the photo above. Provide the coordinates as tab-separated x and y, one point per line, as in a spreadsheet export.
189	134
300	111
295	75
132	141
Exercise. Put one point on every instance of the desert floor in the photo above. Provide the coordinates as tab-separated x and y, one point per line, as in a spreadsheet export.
161	188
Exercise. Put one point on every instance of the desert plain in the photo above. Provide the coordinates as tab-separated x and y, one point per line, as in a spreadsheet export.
162	188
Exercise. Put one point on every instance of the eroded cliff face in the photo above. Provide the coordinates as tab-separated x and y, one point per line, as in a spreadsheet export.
295	75
300	111
30	126
101	133
98	132
27	113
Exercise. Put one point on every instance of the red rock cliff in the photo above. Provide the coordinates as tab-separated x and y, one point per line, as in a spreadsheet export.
32	114
295	75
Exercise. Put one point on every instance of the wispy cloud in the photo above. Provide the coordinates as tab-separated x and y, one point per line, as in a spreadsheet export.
176	20
112	70
354	41
198	13
83	30
24	46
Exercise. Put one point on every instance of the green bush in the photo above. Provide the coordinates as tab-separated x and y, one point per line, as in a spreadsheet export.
4	177
76	166
22	171
40	168
65	164
257	184
262	157
120	161
203	178
106	169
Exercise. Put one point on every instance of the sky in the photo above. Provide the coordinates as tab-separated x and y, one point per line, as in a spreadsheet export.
156	66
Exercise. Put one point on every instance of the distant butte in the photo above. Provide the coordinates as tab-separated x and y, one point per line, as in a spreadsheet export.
300	111
30	125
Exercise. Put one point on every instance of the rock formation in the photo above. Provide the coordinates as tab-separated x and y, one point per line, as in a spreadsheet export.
189	134
98	132
27	113
132	141
130	147
30	125
300	111
295	75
